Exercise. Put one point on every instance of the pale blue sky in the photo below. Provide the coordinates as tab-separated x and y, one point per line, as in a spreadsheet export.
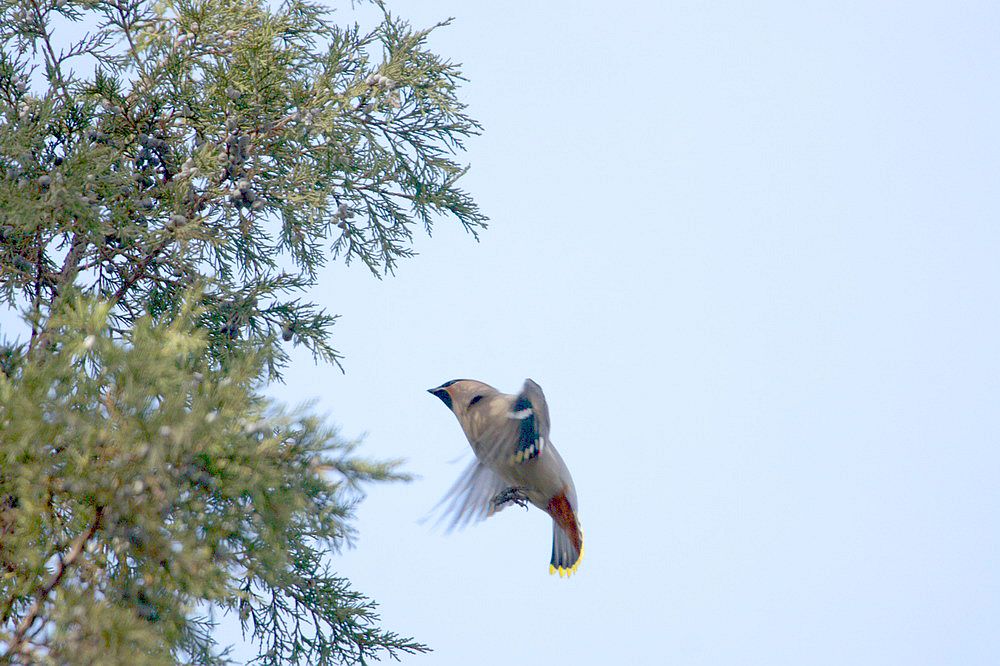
751	252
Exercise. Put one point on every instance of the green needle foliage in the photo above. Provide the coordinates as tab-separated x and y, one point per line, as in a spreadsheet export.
144	485
170	183
223	142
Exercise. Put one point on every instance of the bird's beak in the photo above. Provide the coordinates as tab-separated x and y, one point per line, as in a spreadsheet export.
442	393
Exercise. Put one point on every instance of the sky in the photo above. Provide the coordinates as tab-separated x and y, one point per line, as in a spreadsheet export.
751	253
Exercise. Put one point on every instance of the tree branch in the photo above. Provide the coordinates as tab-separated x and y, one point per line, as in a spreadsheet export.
17	641
78	246
66	275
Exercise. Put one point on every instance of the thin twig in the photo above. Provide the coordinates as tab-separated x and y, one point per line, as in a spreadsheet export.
36	301
139	271
52	60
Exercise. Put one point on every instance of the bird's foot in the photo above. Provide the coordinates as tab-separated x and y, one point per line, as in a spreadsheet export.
508	496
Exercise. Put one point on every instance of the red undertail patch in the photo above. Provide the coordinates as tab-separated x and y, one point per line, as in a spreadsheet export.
561	512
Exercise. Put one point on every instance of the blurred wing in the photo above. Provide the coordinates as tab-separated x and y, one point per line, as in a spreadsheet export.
469	500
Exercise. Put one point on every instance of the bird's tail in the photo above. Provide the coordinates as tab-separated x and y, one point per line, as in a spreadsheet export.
567	537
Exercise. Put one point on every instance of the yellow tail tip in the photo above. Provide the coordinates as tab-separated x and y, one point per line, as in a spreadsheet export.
566	571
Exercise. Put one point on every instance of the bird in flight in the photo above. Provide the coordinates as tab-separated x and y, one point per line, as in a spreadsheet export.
515	463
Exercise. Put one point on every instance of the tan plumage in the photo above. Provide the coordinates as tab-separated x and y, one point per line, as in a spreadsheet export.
515	461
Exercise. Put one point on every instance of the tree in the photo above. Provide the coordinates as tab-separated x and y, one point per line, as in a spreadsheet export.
171	182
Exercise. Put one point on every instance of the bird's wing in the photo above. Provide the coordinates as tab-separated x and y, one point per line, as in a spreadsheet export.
469	499
533	392
524	434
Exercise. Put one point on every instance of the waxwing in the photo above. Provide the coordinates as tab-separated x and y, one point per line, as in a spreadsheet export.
515	463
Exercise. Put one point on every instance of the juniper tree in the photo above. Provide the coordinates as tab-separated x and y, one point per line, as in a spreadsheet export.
171	181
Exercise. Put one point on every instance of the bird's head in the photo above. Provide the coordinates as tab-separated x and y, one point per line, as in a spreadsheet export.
461	394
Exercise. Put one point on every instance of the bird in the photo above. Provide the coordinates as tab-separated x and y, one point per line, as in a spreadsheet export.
515	463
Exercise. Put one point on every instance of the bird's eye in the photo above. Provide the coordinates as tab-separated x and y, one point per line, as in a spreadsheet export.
475	400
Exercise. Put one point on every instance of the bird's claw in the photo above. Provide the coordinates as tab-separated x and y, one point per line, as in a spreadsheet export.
510	495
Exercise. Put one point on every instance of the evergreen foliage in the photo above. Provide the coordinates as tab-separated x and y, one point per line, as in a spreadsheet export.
144	484
170	183
218	141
